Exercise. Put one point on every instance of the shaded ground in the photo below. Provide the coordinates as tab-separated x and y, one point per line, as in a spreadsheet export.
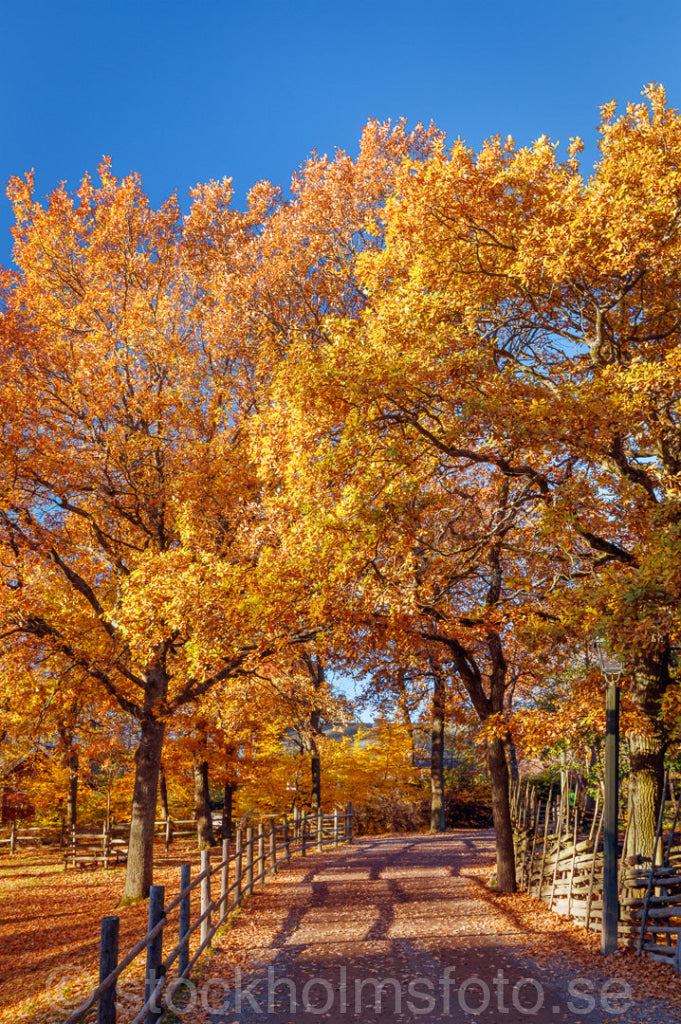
49	929
404	929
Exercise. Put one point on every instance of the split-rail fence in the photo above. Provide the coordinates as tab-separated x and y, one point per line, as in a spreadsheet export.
256	853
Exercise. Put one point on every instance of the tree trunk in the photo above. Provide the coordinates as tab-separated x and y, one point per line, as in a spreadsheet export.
511	758
227	802
315	763
72	793
498	770
204	820
163	791
139	875
399	687
315	670
649	678
437	744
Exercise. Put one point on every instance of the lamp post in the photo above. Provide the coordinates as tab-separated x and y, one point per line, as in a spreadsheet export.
611	669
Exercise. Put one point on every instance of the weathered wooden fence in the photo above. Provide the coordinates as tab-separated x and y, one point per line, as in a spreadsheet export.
559	859
90	838
256	853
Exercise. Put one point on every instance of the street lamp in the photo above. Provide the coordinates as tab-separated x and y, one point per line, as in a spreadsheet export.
611	669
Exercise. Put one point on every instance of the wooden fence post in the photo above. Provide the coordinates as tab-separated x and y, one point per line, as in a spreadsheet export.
185	916
154	951
335	826
238	866
349	823
273	846
261	853
205	894
108	962
12	836
296	822
169	832
320	831
224	900
303	824
249	861
287	840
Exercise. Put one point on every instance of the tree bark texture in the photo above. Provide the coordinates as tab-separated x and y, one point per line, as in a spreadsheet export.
511	758
139	876
163	792
648	680
437	745
204	820
498	770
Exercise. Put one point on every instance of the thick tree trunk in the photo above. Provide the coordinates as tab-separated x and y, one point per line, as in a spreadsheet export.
140	870
204	820
163	792
646	779
437	750
511	758
649	678
498	770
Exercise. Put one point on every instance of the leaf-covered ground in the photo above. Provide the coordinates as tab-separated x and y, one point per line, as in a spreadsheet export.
49	929
404	921
411	917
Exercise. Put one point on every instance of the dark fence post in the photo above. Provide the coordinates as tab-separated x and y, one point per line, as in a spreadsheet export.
287	839
154	951
335	826
108	961
610	834
349	824
224	901
320	831
303	829
238	855
185	915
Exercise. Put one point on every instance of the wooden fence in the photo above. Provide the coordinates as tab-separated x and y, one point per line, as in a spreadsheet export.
19	836
256	853
559	859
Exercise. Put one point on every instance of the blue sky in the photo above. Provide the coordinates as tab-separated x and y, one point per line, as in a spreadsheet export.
185	92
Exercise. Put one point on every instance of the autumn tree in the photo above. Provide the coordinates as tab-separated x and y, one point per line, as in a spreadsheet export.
523	322
131	527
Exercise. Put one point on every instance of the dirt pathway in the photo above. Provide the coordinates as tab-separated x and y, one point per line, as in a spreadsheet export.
404	929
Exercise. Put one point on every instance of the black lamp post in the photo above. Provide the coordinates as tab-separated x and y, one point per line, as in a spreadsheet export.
611	669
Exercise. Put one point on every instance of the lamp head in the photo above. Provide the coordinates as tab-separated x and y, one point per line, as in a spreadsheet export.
611	665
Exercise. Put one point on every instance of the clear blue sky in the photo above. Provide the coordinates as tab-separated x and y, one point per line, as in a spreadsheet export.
188	91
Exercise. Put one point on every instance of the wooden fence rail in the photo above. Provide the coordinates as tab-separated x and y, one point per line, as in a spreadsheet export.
258	853
17	835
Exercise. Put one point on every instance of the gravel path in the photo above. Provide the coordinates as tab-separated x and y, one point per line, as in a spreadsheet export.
402	929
